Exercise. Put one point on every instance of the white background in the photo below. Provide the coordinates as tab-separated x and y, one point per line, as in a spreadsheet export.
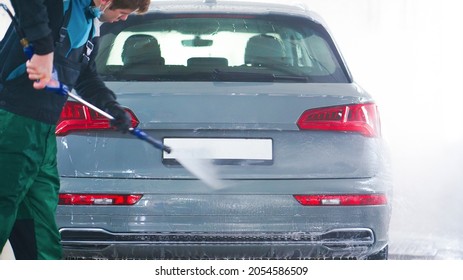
409	55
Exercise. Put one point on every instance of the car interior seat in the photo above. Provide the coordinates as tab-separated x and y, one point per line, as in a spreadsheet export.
263	50
141	49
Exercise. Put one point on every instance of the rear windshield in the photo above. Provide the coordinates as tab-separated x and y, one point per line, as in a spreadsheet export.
218	48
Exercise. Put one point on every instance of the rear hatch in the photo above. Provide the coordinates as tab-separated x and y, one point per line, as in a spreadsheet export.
254	124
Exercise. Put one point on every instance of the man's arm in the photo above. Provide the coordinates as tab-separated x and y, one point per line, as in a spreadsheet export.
34	21
92	88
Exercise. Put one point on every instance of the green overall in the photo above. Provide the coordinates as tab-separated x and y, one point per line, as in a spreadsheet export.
29	185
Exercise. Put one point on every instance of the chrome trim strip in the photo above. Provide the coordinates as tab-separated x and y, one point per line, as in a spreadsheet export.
328	238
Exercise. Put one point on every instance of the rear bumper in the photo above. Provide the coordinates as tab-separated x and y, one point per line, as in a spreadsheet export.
94	243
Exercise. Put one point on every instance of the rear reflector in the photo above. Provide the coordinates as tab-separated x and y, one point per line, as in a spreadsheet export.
98	199
341	200
359	118
78	117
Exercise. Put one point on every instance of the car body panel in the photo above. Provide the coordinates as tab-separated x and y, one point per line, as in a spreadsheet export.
265	113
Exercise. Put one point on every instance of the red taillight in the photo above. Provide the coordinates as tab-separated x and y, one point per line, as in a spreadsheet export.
78	117
341	200
98	199
359	118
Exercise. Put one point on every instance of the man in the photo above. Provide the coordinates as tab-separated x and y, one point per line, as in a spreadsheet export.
62	34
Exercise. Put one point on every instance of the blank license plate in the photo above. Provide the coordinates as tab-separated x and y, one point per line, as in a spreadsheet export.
221	150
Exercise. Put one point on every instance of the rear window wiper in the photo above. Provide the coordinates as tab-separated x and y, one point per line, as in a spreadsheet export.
257	77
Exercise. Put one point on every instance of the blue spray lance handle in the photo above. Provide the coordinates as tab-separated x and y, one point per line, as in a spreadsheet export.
28	50
156	143
54	85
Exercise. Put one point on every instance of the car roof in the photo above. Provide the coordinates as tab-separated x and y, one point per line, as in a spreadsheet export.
234	6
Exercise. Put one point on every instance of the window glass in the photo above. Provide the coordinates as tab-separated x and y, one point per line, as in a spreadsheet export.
220	47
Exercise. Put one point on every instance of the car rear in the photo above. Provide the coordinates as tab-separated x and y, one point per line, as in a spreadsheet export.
298	156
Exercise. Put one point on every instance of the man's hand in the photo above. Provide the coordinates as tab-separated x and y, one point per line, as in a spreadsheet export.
39	68
122	119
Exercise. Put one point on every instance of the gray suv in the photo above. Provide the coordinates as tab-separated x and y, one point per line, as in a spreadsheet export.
259	92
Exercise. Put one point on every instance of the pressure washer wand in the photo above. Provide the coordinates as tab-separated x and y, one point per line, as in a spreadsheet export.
60	88
135	131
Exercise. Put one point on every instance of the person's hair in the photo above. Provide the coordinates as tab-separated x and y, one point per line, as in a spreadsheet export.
140	6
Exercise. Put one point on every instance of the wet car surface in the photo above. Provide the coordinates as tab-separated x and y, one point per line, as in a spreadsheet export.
261	94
